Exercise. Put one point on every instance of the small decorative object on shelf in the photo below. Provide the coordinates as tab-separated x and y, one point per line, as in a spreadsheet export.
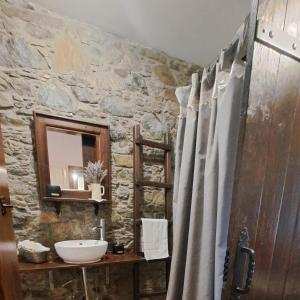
33	252
94	175
118	249
53	190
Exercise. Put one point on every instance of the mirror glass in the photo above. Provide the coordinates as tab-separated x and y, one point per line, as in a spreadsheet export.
68	154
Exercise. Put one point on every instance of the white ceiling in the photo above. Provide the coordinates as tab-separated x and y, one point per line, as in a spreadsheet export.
194	30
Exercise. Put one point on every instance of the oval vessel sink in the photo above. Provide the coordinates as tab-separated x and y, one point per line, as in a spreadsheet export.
81	251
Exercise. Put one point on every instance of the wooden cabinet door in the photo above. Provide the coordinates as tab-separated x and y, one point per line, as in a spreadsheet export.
9	274
267	188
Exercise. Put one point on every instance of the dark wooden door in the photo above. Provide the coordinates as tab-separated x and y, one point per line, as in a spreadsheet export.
9	274
267	188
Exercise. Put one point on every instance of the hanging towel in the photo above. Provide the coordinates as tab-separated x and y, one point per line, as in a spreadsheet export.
154	238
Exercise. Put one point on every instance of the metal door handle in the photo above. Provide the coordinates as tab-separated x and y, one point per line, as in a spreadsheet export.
251	266
4	206
226	268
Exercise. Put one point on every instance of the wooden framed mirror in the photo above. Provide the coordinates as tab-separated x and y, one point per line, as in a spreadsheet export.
64	147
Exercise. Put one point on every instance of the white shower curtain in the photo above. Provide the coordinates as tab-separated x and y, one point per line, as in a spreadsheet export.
206	149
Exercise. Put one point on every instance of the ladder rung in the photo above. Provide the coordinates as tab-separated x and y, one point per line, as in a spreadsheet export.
160	259
139	222
155	184
153	159
169	258
166	147
152	294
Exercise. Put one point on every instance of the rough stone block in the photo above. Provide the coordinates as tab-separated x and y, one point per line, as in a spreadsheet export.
48	217
15	52
55	95
117	106
164	74
123	160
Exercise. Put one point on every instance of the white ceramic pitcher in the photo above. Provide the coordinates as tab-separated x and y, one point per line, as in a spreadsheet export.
97	191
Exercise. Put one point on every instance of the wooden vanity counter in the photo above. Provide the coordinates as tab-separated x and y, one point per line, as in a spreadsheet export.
60	264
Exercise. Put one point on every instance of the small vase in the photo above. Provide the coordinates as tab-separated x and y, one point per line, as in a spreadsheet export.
97	191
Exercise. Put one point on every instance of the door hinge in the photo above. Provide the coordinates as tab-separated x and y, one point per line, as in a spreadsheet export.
4	206
277	39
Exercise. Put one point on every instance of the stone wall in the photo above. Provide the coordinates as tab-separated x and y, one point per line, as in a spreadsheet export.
60	66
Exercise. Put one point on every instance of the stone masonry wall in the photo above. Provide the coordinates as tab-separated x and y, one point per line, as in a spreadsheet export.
56	65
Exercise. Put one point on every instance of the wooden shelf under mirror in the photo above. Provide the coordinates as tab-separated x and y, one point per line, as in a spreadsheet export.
93	201
58	201
64	147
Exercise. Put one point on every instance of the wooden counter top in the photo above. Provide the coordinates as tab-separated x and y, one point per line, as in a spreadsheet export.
59	264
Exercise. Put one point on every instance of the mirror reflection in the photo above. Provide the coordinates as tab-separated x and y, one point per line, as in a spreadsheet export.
68	154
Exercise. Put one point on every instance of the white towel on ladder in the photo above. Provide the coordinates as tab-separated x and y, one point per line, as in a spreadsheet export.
154	238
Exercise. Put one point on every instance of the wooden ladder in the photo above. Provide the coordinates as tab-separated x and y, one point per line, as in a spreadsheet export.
139	184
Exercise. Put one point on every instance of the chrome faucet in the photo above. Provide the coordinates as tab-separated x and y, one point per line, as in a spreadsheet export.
101	228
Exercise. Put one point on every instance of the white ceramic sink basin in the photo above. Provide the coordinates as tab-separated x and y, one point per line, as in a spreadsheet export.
81	251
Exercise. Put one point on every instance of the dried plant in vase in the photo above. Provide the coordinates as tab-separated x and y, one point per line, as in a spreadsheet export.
94	173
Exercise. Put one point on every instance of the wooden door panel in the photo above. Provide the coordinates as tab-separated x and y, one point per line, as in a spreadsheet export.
288	200
282	111
267	190
292	286
253	156
9	274
282	261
